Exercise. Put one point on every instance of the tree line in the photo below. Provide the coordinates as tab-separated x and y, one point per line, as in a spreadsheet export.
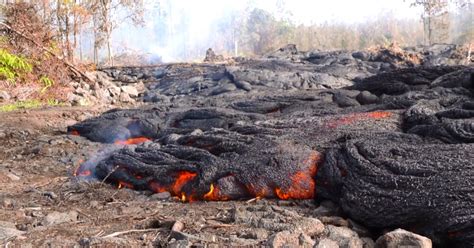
82	30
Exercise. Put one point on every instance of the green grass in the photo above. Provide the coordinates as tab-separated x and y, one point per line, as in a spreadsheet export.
29	104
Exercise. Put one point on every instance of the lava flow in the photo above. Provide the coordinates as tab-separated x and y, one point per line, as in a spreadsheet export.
303	183
352	118
132	141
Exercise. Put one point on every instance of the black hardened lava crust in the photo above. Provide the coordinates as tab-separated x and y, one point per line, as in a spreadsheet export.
394	149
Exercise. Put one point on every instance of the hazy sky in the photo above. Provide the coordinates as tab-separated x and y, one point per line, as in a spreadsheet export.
305	11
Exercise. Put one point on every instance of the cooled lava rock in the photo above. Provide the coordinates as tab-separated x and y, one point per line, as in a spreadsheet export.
388	180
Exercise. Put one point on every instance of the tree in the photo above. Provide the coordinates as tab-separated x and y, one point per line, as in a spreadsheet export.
435	19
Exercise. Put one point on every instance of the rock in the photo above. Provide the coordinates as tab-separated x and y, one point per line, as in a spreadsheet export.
305	241
127	79
7	232
8	203
130	90
402	238
366	97
327	243
223	89
256	233
364	56
344	101
368	242
179	244
161	196
103	242
125	98
327	208
334	220
344	236
309	226
243	85
283	239
178	226
140	86
114	90
81	92
4	96
6	224
58	218
212	57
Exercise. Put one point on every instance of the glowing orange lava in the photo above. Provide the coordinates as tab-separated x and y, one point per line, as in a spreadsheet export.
303	183
132	141
213	194
181	180
125	185
352	118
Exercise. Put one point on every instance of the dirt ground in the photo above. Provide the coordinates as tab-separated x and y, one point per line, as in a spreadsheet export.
47	207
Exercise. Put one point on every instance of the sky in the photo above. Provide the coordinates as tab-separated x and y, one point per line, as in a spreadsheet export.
306	11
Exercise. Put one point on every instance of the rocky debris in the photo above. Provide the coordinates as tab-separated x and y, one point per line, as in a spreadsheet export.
402	238
288	239
326	243
9	232
343	236
4	96
54	218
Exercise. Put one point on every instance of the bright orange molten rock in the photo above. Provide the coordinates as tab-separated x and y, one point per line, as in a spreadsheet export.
132	141
303	183
352	118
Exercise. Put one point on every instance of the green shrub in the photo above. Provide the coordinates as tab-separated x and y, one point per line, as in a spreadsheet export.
13	66
46	82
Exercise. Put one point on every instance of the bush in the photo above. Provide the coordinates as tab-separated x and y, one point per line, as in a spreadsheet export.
13	66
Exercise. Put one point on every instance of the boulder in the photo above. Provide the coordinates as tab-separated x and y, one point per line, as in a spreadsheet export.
402	238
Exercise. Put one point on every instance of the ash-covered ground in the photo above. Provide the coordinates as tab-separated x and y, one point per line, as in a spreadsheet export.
323	149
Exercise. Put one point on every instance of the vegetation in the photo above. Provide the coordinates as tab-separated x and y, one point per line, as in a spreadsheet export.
29	104
13	66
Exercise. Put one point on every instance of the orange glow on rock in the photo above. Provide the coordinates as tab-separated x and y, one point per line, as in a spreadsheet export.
74	132
213	194
303	183
183	178
132	141
85	173
156	187
125	185
352	118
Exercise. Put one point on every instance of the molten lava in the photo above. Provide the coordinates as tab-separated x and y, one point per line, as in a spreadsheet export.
213	194
125	185
352	118
303	184
132	141
183	177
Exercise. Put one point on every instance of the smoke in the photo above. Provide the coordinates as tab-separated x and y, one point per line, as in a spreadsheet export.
182	30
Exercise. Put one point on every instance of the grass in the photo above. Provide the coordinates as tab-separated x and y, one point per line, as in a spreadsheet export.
29	104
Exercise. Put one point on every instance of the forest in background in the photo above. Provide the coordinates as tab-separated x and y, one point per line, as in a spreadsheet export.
110	32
